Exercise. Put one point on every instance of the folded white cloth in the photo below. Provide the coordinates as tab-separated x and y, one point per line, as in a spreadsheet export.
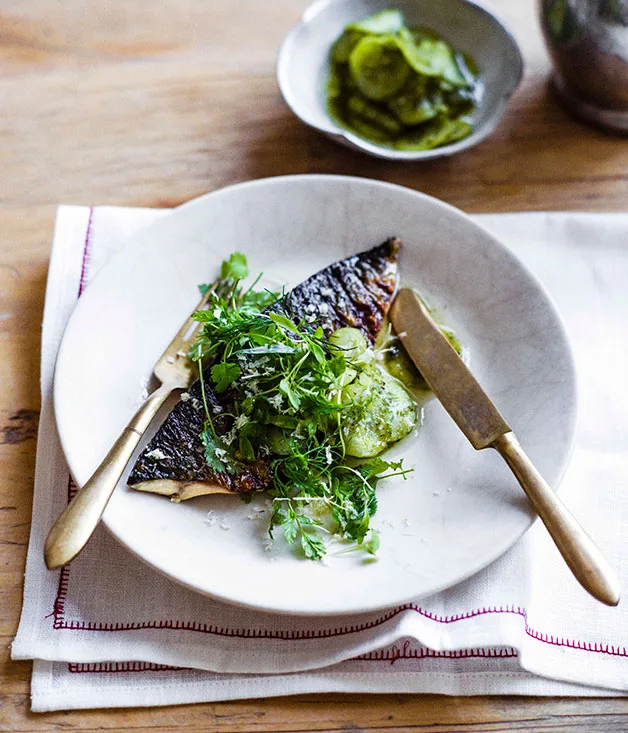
109	631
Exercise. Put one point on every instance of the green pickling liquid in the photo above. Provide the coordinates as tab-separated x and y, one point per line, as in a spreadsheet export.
397	362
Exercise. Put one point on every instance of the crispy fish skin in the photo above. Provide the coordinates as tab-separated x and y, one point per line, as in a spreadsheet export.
356	291
173	462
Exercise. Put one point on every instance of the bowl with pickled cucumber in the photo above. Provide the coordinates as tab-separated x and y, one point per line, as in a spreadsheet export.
411	81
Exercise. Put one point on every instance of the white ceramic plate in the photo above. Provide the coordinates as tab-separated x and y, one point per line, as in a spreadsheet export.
459	510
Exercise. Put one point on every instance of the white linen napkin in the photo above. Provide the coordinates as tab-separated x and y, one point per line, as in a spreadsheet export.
109	631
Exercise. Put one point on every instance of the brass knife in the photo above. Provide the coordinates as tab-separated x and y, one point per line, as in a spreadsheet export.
478	418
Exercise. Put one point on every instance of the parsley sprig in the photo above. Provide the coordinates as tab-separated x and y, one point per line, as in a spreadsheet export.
282	384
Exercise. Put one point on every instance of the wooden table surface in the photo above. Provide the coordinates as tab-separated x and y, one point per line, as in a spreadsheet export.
153	103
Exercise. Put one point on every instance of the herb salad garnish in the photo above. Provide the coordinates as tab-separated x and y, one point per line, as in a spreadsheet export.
292	402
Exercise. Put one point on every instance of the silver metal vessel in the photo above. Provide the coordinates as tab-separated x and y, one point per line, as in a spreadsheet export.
588	42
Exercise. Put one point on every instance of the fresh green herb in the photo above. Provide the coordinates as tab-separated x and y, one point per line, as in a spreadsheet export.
370	545
224	374
235	268
401	87
286	388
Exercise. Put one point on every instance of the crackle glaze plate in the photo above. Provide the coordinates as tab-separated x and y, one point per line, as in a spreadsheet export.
457	512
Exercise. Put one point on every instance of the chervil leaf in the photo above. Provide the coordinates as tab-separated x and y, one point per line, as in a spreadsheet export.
375	466
290	528
235	268
372	544
213	452
259	299
224	374
203	316
312	545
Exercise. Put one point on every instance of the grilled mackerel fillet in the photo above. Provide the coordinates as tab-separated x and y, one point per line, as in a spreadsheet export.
355	292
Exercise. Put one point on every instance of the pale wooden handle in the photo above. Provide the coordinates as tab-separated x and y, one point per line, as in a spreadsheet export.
76	524
583	558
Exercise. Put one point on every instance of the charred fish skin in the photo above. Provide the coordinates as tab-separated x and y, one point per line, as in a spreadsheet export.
176	451
356	291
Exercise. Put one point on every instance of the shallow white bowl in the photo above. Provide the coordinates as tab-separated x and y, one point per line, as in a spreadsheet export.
303	64
457	512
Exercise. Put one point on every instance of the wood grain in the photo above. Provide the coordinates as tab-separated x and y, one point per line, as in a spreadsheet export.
139	103
190	113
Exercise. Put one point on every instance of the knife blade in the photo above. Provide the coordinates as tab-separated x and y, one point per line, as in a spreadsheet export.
477	417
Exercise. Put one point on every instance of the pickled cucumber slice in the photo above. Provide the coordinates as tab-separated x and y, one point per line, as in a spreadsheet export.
344	45
366	130
350	342
403	88
378	67
437	132
430	56
386	21
418	102
379	411
373	115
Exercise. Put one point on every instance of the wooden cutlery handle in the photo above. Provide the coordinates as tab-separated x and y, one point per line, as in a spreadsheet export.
76	524
578	550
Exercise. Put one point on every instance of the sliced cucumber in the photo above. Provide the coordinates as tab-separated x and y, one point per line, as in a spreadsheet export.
379	412
378	67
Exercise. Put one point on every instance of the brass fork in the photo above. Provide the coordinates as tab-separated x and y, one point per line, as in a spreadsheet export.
76	524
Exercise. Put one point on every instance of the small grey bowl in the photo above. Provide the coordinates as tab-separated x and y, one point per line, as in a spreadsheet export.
303	64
